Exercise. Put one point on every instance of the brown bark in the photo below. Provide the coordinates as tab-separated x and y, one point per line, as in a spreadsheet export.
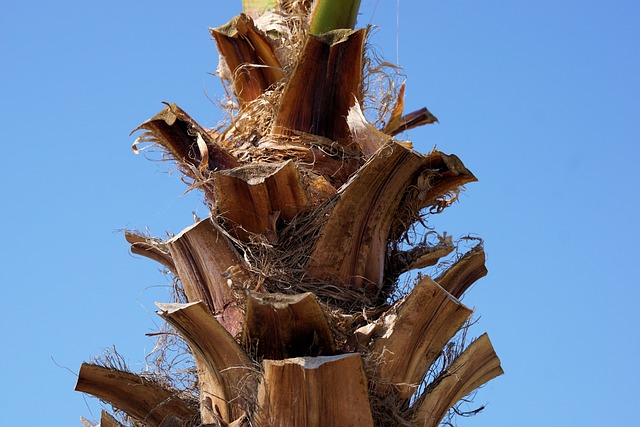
411	335
314	392
420	256
142	399
322	86
464	273
229	374
399	123
411	120
376	206
281	326
477	365
106	420
209	266
320	199
252	197
249	57
187	142
151	248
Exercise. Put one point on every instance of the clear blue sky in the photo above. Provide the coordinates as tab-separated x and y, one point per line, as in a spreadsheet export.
539	99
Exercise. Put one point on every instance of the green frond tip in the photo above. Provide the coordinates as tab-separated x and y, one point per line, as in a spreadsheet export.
334	14
255	8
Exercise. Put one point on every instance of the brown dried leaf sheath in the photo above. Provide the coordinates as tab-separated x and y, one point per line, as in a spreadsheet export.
352	248
140	398
298	322
303	392
151	248
229	371
466	271
412	334
248	195
477	365
207	263
249	56
320	91
178	134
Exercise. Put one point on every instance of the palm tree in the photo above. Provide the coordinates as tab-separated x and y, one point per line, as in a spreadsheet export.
292	303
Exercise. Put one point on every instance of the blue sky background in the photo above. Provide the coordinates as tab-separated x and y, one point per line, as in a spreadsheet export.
539	99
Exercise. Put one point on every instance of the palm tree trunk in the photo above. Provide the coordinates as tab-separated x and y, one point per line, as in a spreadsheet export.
292	312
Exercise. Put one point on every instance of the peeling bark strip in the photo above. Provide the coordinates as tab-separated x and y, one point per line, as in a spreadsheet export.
142	399
250	196
178	133
281	326
412	334
320	91
373	206
477	365
304	392
249	56
206	261
229	373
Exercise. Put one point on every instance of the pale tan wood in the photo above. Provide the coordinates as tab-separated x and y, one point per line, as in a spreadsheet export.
411	335
422	257
142	399
209	266
151	248
367	137
464	272
477	365
230	375
252	197
213	402
324	391
281	326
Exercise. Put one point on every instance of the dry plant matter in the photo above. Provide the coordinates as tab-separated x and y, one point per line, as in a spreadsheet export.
290	308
